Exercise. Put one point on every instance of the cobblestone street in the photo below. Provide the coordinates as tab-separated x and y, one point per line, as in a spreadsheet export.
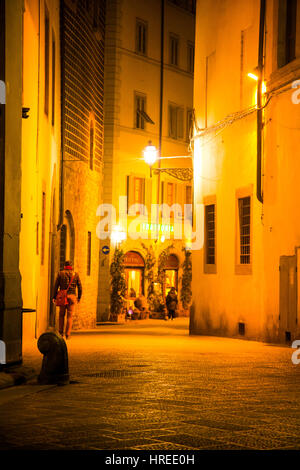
149	385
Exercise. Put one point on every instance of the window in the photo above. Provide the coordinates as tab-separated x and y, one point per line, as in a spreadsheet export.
43	228
244	226
92	144
174	50
287	21
190	57
175	122
170	194
141	37
172	206
135	192
47	40
53	78
89	253
210	241
188	195
138	190
140	107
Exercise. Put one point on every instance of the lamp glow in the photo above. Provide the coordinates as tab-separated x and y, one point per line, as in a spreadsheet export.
150	154
117	235
253	76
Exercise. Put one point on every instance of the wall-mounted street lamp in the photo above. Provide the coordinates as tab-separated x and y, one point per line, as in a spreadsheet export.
255	77
118	235
150	154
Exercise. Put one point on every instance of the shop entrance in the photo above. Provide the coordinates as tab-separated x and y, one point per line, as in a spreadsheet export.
171	273
134	273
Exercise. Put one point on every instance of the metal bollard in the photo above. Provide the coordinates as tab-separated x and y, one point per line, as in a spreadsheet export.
55	366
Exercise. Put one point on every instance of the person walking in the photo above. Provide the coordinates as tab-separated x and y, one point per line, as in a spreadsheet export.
171	302
66	283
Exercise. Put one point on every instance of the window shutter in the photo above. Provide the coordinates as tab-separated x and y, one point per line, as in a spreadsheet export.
130	192
148	194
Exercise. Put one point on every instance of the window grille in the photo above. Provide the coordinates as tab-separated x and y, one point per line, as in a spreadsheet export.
141	37
174	50
244	216
210	233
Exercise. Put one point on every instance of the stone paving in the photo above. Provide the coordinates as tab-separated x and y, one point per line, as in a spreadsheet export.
148	385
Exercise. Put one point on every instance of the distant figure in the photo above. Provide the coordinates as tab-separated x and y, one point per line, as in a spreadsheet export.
172	302
132	292
67	280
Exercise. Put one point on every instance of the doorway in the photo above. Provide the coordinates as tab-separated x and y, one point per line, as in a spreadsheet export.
288	298
171	273
134	273
134	281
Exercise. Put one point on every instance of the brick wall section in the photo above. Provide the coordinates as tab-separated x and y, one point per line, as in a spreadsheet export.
82	87
112	99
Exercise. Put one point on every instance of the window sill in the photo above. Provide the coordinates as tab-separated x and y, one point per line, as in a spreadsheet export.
243	269
210	268
284	75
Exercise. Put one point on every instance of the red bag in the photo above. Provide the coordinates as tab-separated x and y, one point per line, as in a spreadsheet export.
61	298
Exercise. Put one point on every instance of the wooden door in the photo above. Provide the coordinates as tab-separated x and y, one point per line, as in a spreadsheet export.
288	298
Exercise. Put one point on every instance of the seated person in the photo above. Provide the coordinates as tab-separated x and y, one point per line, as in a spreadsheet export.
141	303
132	292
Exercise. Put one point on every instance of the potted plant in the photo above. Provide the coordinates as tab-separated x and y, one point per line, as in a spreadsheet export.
118	286
186	281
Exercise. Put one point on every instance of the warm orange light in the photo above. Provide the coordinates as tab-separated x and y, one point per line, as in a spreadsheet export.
150	154
117	235
253	76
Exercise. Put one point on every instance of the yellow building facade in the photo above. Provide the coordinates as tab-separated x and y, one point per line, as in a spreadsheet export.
41	155
148	96
246	133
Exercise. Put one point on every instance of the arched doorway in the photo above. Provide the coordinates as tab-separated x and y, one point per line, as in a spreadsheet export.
134	273
171	273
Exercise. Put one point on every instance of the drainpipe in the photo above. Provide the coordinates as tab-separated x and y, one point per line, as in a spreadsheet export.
259	100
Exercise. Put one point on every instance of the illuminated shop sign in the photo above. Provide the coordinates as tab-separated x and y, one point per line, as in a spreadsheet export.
158	228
